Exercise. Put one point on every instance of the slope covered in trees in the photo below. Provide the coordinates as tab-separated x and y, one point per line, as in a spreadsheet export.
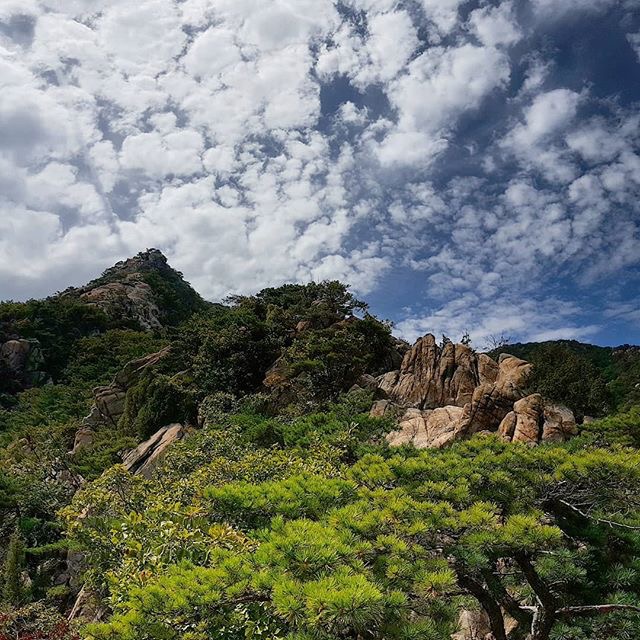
260	497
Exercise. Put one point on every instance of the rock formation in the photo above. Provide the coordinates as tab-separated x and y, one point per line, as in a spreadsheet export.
533	420
443	394
430	428
491	401
431	376
144	459
25	360
128	291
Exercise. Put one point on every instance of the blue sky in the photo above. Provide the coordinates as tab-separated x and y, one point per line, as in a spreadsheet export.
465	165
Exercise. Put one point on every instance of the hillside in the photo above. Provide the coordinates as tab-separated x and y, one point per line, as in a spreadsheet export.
282	467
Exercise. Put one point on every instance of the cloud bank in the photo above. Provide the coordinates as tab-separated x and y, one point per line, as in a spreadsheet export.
448	158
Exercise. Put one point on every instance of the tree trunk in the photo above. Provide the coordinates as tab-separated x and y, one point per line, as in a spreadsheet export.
487	602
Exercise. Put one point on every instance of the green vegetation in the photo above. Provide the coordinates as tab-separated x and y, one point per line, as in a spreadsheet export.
589	379
296	541
284	515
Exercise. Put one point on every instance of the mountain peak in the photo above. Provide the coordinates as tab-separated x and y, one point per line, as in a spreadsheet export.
144	262
144	289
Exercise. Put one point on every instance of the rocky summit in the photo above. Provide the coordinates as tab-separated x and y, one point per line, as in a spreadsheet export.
282	466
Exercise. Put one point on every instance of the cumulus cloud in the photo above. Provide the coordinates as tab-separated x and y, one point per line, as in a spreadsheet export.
439	85
258	143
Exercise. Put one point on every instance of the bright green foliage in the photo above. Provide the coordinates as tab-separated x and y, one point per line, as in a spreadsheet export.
55	322
324	363
249	505
157	400
413	532
586	369
43	408
621	429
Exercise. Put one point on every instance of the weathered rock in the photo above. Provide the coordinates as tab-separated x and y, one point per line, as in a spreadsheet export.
488	369
88	607
85	437
491	402
144	459
110	400
429	428
529	419
124	291
386	409
473	625
132	298
431	376
25	359
366	382
533	420
559	423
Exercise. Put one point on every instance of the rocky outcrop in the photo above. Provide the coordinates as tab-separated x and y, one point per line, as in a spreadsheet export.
449	393
431	376
24	358
136	290
133	298
144	459
533	420
109	400
122	292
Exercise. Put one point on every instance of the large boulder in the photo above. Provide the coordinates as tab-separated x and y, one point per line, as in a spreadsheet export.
144	459
432	428
433	376
492	401
534	420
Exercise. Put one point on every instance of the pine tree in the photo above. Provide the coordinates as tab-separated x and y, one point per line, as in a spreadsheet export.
12	587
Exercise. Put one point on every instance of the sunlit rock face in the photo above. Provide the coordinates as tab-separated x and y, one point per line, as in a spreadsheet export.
446	393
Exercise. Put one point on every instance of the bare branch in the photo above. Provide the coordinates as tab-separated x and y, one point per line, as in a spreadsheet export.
596	609
585	515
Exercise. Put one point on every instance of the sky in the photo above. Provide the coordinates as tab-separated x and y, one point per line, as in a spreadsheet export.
465	165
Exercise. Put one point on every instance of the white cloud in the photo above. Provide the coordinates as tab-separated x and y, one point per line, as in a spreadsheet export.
495	26
443	13
211	53
520	319
537	141
143	36
439	85
158	156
